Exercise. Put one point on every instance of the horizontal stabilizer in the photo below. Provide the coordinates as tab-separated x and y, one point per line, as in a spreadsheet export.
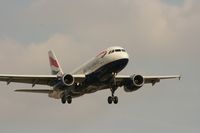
35	91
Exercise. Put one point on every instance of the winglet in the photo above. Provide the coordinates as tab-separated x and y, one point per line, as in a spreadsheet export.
54	64
179	77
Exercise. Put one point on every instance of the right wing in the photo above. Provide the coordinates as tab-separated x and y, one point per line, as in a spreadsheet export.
29	79
35	91
49	80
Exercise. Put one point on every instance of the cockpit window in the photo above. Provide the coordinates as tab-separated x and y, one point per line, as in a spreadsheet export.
117	50
110	52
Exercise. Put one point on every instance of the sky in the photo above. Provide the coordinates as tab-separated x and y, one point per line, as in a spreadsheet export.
161	37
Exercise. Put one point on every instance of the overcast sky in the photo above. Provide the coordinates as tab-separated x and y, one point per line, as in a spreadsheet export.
161	36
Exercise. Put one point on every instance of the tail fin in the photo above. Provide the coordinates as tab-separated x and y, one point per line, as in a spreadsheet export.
54	64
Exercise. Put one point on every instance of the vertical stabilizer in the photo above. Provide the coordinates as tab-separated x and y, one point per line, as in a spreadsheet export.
54	64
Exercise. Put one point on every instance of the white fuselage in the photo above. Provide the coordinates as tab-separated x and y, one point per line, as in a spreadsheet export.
97	70
103	58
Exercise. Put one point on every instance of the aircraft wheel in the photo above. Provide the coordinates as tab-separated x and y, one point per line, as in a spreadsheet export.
69	99
115	99
110	100
63	100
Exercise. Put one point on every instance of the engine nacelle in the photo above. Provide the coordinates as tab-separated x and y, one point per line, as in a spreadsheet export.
134	83
68	80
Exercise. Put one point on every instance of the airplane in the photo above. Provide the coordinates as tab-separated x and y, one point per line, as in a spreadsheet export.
99	73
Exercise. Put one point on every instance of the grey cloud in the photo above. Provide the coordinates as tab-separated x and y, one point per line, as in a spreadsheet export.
149	24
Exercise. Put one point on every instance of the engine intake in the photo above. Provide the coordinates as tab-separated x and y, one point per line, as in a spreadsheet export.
68	80
134	83
138	80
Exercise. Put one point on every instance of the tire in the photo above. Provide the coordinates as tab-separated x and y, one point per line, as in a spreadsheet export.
69	99
115	100
110	100
63	100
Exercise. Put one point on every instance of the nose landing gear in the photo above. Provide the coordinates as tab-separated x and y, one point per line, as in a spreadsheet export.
113	88
113	98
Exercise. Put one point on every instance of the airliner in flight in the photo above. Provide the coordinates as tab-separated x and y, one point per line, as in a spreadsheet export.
99	73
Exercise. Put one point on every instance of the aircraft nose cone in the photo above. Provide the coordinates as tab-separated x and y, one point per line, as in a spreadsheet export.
125	55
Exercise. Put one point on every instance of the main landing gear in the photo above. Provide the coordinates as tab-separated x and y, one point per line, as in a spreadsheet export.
66	97
113	98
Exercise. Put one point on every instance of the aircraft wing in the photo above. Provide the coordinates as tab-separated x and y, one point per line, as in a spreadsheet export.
49	80
35	91
147	79
156	79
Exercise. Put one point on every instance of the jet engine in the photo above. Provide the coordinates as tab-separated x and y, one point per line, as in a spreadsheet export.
68	80
134	83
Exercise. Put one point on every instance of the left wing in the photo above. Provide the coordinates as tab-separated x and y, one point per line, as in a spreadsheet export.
120	79
155	79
